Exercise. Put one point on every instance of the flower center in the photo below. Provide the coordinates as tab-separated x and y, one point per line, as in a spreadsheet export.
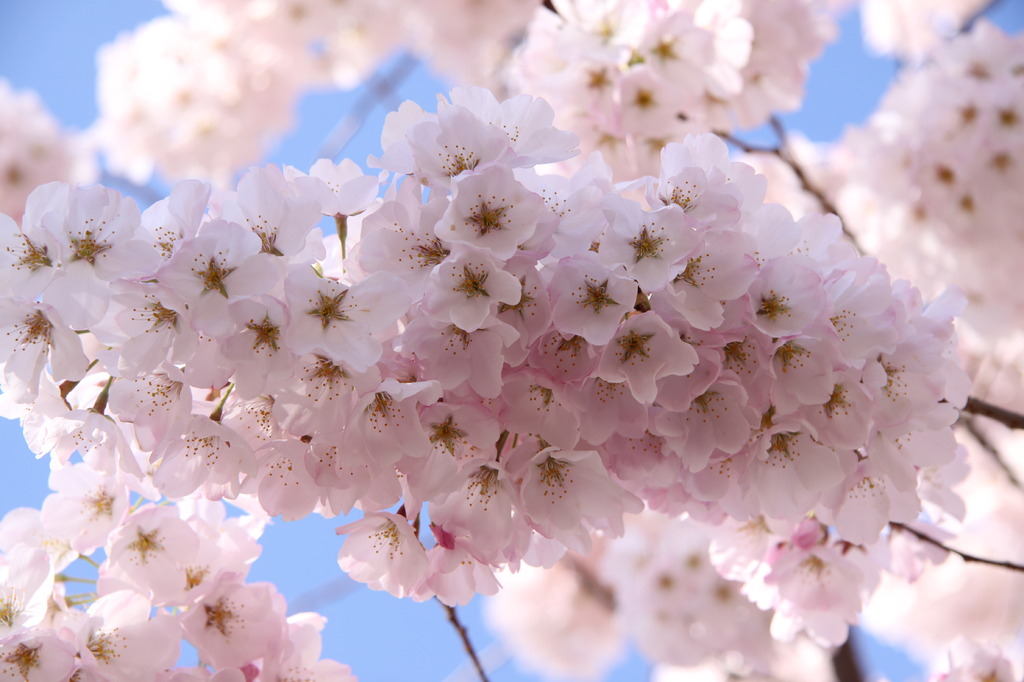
472	284
266	333
597	296
213	277
487	218
446	434
646	245
634	344
328	309
146	543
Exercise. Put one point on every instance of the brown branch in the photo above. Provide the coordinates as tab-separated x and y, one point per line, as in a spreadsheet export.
745	146
782	152
972	428
787	157
970	558
805	182
846	663
464	636
1002	415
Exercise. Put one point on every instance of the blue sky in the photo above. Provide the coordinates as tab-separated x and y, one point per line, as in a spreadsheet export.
50	46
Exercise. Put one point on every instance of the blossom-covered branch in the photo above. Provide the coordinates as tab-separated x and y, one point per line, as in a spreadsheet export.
675	343
707	409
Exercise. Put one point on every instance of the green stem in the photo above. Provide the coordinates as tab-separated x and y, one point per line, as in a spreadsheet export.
88	560
136	504
500	445
100	406
218	411
61	578
341	226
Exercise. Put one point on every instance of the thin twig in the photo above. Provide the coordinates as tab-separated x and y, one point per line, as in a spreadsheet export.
380	87
986	445
786	155
464	636
493	657
970	558
745	146
1002	415
783	153
808	186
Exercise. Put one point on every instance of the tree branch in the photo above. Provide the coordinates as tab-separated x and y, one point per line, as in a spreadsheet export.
786	155
782	152
970	558
986	445
846	663
464	636
1002	415
382	85
745	146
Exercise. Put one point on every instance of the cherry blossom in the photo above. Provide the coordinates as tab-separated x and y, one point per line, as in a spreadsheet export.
628	80
497	362
35	150
382	551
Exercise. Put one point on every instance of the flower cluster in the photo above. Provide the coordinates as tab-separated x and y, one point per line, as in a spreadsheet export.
912	29
168	574
556	621
930	183
350	39
491	363
972	661
933	599
629	79
193	98
202	93
33	150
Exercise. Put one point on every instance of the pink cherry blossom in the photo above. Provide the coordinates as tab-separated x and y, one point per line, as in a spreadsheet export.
235	623
588	299
382	551
643	350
